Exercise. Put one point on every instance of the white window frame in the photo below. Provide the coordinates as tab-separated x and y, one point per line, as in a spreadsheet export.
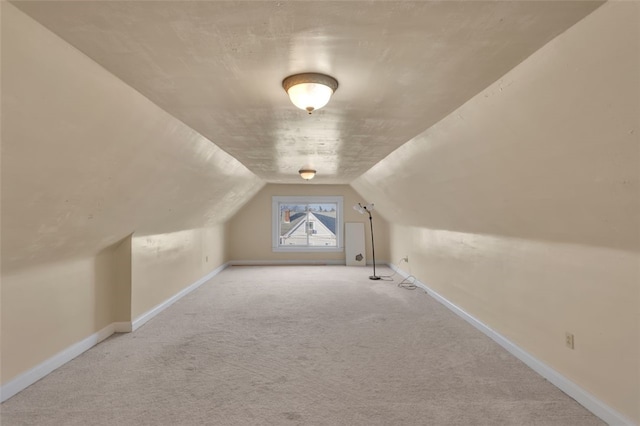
276	200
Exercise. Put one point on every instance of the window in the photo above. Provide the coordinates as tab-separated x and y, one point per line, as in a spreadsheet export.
307	223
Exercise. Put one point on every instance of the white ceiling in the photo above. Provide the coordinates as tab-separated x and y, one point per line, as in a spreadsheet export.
218	66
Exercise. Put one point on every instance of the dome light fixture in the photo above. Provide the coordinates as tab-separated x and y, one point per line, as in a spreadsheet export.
310	91
307	174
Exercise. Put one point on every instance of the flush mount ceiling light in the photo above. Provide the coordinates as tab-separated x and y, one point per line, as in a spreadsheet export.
307	174
310	91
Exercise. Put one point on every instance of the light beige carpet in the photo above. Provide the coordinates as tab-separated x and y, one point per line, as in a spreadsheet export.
320	345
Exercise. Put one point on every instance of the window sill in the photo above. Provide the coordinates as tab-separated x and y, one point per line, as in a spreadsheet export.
308	249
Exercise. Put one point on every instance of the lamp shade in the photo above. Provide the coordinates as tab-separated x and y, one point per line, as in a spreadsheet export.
310	91
361	209
307	174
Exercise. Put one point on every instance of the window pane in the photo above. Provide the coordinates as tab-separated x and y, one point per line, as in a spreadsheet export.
322	225
306	224
293	222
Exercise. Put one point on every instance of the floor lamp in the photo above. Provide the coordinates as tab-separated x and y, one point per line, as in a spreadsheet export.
369	208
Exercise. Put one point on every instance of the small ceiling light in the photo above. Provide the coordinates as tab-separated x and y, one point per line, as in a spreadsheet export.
310	91
307	174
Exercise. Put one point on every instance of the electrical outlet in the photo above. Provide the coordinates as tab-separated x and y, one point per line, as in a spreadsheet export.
568	340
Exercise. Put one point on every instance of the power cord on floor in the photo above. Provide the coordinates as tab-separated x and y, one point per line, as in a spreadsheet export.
408	283
395	271
385	277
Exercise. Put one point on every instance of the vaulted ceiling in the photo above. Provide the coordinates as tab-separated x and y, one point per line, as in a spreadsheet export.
218	67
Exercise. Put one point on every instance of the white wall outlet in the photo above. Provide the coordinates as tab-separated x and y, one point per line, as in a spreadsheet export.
568	340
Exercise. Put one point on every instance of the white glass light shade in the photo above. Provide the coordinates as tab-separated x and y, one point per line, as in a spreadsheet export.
310	96
307	174
361	209
310	91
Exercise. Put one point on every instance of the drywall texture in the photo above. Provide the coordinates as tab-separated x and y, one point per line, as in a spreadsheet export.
122	284
86	162
250	229
164	264
522	206
217	66
47	308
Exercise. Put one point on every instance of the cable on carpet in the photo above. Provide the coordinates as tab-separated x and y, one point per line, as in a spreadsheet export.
395	271
408	283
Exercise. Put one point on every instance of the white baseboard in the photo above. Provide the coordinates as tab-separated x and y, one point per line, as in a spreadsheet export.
590	402
583	397
285	262
296	262
30	377
142	319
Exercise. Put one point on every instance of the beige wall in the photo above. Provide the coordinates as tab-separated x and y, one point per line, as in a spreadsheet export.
121	260
47	308
522	206
164	264
250	229
87	162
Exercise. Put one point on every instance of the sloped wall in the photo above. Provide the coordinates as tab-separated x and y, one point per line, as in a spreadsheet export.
87	162
522	206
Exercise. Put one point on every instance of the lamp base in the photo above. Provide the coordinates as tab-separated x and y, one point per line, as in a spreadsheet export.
374	277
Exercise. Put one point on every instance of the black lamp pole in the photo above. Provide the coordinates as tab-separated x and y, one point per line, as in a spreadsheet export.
373	248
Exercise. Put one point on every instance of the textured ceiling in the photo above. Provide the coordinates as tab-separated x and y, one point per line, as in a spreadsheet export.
218	67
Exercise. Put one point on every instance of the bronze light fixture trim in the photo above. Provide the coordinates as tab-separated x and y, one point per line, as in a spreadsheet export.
307	174
310	91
